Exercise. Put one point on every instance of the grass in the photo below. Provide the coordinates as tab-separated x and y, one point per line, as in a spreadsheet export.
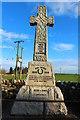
58	77
9	76
67	77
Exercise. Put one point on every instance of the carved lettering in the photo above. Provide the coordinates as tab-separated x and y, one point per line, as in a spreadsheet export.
41	47
41	29
40	78
40	58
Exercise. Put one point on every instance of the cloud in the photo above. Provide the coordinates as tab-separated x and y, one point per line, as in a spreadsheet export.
4	46
62	46
0	38
7	63
64	8
65	65
40	1
59	65
79	8
9	35
61	0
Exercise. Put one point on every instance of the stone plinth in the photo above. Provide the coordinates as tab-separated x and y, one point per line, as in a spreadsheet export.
39	86
36	108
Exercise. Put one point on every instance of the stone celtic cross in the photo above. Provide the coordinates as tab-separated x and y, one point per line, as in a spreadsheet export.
41	21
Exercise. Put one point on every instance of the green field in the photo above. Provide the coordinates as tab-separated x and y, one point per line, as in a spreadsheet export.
58	77
67	77
9	76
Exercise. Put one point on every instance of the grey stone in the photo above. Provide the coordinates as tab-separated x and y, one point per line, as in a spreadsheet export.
73	87
40	73
40	82
34	108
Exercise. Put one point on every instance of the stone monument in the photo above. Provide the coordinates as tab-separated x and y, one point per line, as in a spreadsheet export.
40	82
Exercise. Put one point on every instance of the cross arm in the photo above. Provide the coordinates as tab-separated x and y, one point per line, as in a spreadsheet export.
50	21
33	20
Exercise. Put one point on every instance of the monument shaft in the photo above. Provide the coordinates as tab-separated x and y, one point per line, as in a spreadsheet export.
41	22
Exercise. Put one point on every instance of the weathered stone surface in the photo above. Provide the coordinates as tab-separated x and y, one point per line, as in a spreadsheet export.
41	74
34	108
40	82
41	21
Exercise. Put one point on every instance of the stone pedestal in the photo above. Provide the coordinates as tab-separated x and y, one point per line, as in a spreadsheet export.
40	85
36	108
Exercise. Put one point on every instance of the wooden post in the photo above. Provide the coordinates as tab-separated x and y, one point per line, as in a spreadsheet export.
21	63
18	57
17	60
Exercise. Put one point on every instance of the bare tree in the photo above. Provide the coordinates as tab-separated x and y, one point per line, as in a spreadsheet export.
3	71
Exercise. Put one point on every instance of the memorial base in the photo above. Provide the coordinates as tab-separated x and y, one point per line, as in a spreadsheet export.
40	85
36	108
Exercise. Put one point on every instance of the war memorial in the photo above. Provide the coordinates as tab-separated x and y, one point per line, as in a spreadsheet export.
40	82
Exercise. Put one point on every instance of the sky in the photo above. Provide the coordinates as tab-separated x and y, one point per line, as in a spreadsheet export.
62	37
